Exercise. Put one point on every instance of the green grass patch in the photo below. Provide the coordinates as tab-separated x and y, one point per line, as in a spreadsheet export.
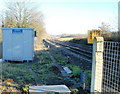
18	72
43	67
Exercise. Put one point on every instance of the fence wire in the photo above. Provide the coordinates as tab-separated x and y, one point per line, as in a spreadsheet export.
0	77
111	67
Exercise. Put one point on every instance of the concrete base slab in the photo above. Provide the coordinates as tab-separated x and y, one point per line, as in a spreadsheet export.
49	89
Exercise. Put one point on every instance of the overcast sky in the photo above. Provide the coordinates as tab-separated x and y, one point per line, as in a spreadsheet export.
76	16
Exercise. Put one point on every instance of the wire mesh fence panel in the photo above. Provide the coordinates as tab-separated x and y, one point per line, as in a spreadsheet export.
0	77
111	67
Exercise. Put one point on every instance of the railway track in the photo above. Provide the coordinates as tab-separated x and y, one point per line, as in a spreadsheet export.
85	53
82	46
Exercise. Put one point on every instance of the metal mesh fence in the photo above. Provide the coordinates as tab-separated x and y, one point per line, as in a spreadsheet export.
111	67
0	77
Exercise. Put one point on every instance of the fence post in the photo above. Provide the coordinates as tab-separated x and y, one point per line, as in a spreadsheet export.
97	65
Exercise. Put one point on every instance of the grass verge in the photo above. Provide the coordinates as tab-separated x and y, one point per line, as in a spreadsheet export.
76	70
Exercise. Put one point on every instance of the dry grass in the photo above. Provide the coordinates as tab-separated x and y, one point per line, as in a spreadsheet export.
78	37
65	39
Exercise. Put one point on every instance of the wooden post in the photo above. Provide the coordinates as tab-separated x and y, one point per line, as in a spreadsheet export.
97	64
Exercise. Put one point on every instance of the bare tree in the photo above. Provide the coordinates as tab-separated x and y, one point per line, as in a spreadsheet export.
105	29
22	15
108	34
